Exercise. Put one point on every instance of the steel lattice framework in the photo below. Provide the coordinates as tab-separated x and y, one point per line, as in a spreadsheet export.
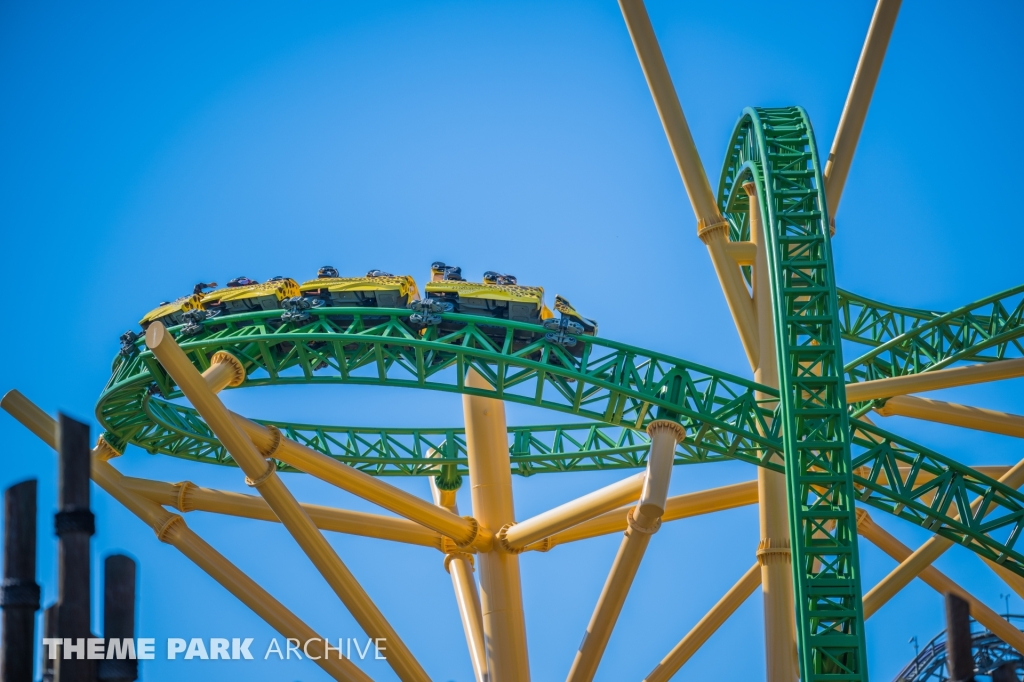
622	397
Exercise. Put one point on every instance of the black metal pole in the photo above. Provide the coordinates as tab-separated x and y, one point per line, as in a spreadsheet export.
1007	672
19	594
118	616
959	657
74	524
49	630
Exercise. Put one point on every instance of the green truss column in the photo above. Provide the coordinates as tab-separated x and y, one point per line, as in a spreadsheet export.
775	148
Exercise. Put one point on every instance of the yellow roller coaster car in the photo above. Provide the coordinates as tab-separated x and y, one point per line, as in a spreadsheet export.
171	313
246	295
497	296
378	289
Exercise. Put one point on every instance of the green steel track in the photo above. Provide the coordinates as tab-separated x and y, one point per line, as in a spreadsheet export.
775	150
612	382
618	389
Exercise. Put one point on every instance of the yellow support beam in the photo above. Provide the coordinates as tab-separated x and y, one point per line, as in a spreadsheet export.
711	226
466	532
677	507
518	536
744	253
186	497
933	381
460	567
261	474
490	479
172	529
773	553
956	415
644	520
856	110
707	626
867	528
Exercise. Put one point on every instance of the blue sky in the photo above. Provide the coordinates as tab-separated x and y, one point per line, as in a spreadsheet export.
144	148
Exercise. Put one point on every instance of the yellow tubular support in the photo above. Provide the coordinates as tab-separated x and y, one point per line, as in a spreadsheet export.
644	520
460	568
186	497
491	490
856	110
711	226
744	253
707	626
867	528
773	553
465	532
932	381
262	475
677	507
172	529
518	536
953	414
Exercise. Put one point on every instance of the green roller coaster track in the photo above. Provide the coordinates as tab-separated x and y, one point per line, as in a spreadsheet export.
619	388
774	149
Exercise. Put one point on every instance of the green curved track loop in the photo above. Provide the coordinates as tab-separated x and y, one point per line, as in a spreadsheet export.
775	149
723	418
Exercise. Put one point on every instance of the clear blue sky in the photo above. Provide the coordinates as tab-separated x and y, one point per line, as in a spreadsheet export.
146	147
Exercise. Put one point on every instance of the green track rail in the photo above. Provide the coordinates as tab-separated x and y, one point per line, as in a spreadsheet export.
775	149
723	417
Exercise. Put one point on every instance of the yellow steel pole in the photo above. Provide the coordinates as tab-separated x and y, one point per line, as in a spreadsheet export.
677	507
186	497
464	531
644	520
173	530
712	228
856	110
262	475
773	553
932	381
460	567
953	414
490	479
867	528
707	626
517	536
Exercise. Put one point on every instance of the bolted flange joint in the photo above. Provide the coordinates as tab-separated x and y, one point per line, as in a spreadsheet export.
705	230
502	538
238	371
773	551
676	428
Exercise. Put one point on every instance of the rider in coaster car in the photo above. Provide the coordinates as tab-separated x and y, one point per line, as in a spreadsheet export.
327	271
439	272
241	282
492	277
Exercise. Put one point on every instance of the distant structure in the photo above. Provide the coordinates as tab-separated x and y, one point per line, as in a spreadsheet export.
989	653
